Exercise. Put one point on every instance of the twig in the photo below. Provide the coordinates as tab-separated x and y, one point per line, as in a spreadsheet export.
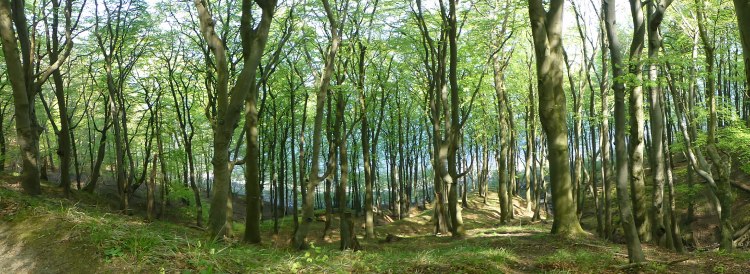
592	245
676	261
639	264
630	265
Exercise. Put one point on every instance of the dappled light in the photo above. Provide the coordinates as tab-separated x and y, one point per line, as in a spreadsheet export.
375	136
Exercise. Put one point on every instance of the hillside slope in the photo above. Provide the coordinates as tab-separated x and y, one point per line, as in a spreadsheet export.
49	234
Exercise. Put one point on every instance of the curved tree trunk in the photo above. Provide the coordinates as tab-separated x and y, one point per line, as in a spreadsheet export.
314	178
722	186
655	15
635	252
229	106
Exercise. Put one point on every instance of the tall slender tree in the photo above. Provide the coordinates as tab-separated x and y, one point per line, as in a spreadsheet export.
656	10
721	184
635	252
637	124
336	19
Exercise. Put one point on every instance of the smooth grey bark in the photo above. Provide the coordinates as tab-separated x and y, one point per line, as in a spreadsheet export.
346	224
365	138
604	89
655	14
546	27
435	63
742	11
674	226
64	131
253	42
453	124
635	252
26	81
637	124
502	154
229	107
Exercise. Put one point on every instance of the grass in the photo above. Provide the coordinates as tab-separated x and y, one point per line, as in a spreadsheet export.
584	260
83	234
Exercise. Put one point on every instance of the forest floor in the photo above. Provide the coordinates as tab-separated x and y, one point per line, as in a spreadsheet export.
51	234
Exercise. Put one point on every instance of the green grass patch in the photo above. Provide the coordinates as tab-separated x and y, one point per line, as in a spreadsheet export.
578	260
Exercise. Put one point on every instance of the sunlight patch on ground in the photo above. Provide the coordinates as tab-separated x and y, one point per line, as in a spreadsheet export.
12	257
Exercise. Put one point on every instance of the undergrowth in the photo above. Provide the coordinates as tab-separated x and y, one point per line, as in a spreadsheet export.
108	241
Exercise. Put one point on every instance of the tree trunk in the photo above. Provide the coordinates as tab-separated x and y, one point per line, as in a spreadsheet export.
3	146
435	63
76	163
635	253
97	165
605	144
301	156
163	164
502	155
674	226
150	191
229	109
253	194
637	181
546	29
281	192
658	169
454	131
401	171
722	186
742	9
64	141
331	165
346	225
577	132
314	178
365	137
21	78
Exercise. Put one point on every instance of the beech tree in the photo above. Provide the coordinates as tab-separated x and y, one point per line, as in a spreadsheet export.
635	252
742	10
546	27
336	16
26	80
228	107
